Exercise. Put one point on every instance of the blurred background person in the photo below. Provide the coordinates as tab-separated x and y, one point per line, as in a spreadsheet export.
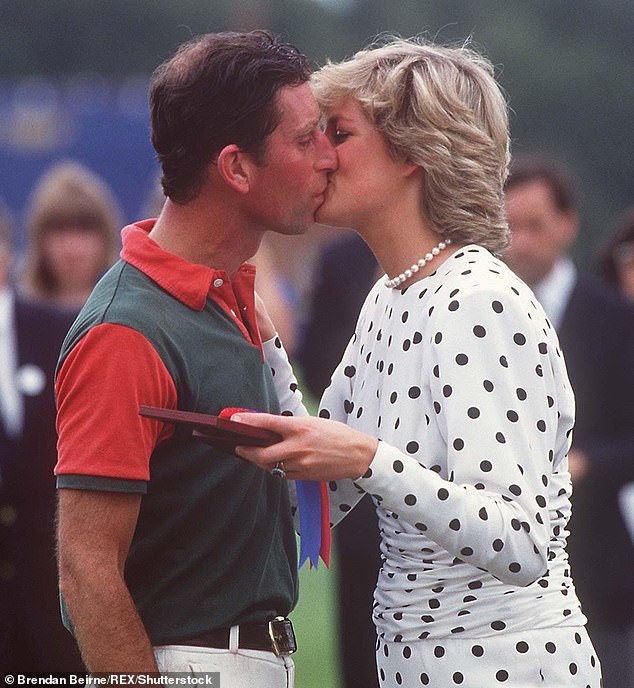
73	223
595	326
616	265
32	637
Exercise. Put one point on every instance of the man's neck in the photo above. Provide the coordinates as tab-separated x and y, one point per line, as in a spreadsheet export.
206	234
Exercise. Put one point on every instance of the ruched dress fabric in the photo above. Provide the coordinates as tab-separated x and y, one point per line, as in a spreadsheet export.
461	377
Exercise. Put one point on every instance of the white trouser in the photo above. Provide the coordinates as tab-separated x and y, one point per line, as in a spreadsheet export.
238	667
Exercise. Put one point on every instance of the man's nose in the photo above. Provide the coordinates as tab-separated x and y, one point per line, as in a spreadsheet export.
328	159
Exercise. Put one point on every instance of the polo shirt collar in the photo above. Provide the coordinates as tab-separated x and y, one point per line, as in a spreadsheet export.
190	283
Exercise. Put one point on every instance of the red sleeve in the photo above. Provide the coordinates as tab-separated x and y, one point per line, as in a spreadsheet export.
101	384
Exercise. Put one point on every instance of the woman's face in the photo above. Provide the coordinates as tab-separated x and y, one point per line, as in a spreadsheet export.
360	189
74	255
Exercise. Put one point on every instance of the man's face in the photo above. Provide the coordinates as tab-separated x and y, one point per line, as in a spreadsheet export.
288	188
541	232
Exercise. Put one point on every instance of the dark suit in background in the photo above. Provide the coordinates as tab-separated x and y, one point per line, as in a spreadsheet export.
32	637
597	337
344	275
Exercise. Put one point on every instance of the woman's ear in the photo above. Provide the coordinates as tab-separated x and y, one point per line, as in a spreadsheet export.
234	166
410	168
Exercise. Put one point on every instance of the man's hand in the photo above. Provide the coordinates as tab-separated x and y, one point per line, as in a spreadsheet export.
578	465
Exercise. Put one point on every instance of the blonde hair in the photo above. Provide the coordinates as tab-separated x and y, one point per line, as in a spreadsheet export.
441	108
68	193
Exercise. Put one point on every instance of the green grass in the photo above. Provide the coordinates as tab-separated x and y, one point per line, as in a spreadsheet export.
315	620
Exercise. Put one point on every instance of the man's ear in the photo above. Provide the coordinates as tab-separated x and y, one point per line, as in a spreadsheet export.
234	166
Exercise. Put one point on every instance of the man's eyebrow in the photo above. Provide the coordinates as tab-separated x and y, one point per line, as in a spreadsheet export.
308	127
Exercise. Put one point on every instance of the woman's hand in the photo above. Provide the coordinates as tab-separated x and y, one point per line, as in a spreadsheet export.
311	449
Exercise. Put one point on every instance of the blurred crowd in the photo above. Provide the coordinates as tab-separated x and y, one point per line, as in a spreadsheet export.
314	286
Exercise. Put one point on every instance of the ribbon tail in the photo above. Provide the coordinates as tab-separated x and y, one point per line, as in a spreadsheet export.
310	519
324	550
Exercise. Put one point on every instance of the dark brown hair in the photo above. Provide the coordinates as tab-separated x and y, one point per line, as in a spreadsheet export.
218	89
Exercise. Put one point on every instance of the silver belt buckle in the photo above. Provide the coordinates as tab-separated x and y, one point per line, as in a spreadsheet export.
282	636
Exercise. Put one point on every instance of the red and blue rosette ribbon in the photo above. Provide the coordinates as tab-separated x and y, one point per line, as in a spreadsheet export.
314	515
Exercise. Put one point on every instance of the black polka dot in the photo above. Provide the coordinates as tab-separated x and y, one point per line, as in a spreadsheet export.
462	359
502	675
413	392
479	331
497	306
522	647
410	499
397	466
412	447
443	494
473	412
477	650
349	371
519	339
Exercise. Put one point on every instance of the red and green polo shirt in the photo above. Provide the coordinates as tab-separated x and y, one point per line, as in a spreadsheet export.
214	543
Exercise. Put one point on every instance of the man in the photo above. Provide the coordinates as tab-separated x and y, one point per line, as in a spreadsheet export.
174	554
32	637
596	332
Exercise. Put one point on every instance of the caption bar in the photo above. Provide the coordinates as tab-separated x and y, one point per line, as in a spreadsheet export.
199	679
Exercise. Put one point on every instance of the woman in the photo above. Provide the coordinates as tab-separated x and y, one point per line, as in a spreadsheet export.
73	224
452	403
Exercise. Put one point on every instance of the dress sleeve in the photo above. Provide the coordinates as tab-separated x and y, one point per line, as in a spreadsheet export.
335	403
497	392
288	393
102	382
343	493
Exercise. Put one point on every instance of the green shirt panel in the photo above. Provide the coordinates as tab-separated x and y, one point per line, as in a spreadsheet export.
214	543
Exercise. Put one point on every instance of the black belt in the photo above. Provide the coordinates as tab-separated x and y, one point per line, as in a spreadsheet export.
275	636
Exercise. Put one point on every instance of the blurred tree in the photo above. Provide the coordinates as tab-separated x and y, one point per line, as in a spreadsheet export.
567	66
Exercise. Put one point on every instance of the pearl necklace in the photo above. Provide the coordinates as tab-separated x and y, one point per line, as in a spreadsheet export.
404	276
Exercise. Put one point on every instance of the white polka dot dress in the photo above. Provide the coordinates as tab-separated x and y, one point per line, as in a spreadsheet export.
461	378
